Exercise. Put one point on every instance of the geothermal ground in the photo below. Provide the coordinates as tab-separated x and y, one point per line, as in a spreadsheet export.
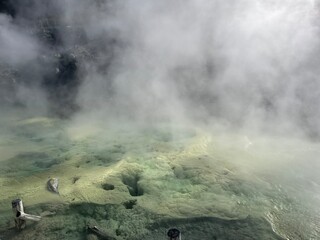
135	182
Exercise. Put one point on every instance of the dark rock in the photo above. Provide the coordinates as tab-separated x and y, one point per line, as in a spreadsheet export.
62	85
7	7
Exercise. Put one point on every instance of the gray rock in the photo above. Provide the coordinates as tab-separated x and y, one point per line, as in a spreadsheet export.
53	184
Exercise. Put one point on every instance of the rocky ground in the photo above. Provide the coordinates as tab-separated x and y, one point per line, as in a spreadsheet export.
135	183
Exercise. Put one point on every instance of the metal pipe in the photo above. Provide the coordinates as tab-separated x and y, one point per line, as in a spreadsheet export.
20	216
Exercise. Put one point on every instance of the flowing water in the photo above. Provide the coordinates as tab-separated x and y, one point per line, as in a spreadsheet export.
135	182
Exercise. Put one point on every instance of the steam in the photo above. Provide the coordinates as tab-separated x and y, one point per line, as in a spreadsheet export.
251	64
16	46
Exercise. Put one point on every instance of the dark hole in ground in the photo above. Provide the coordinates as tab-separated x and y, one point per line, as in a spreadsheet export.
75	179
107	186
132	182
130	204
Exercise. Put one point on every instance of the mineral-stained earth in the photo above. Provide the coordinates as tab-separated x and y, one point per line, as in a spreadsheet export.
136	182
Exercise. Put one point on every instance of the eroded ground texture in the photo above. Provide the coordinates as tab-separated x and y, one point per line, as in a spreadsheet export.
135	182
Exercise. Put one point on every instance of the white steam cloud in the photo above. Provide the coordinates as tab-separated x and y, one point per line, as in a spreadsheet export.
248	63
17	47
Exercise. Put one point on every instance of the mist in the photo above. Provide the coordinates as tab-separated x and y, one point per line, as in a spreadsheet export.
249	64
242	74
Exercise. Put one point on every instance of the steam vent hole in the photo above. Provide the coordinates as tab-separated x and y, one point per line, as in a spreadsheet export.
132	182
107	186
